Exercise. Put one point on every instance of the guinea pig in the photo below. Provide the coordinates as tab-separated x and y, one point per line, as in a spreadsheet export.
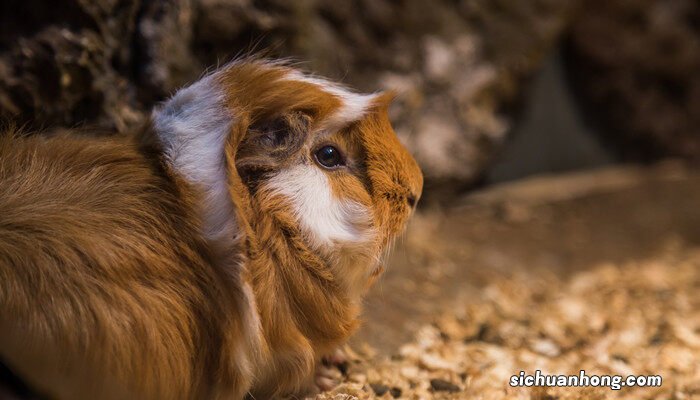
221	251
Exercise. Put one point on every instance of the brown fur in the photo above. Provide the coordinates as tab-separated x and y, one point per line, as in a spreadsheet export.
109	290
104	275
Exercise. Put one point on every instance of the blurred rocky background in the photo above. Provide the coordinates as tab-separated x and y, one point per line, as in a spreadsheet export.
489	90
635	65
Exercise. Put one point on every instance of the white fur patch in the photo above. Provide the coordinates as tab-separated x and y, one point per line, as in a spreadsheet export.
354	106
325	219
193	127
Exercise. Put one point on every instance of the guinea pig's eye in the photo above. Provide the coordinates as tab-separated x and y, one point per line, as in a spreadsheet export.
329	157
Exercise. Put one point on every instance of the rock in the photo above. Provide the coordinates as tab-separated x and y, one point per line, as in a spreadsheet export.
636	66
164	36
60	65
545	347
432	362
379	388
440	385
357	378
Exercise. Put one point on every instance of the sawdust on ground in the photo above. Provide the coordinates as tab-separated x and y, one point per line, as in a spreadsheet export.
640	318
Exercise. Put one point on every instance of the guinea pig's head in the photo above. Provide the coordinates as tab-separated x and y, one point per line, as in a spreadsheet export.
322	160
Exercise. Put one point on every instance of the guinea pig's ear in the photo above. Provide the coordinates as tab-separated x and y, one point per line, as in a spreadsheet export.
383	100
267	144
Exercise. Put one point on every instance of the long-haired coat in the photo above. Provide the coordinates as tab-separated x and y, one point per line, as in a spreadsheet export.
221	251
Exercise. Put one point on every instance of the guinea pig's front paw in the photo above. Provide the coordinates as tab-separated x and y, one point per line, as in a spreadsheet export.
326	378
330	371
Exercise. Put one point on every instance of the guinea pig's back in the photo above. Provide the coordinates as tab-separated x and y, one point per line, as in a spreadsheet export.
106	289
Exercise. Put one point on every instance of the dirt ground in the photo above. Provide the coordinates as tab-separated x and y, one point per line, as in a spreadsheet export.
597	271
